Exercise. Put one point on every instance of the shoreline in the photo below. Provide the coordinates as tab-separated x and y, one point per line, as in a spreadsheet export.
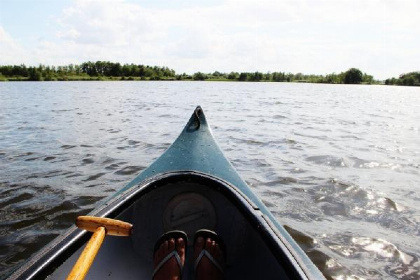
139	79
110	71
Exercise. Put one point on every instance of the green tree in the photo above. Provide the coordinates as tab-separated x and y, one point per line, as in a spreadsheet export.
289	77
148	72
367	79
89	68
298	77
353	76
257	76
116	70
331	79
243	76
34	74
409	79
233	76
199	76
278	77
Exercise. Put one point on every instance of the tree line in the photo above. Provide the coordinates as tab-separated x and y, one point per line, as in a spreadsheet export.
409	79
86	71
352	76
105	70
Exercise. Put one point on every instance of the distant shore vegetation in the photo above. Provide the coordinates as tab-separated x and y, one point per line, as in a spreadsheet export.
110	71
409	79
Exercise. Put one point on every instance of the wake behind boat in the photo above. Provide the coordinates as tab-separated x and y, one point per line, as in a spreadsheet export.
190	187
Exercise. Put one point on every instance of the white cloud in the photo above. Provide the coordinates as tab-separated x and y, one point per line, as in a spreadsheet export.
70	34
11	52
5	38
110	23
379	37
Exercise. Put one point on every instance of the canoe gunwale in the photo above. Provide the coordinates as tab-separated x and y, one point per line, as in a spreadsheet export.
61	248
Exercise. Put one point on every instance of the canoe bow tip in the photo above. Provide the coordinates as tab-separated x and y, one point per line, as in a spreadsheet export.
198	110
198	115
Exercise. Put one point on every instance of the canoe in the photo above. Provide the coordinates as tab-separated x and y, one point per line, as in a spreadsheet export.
190	187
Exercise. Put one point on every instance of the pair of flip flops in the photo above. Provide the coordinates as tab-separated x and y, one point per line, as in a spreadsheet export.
176	234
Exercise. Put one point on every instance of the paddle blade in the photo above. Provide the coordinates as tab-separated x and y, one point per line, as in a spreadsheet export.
112	227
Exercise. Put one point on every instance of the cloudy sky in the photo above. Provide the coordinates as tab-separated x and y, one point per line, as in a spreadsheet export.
381	38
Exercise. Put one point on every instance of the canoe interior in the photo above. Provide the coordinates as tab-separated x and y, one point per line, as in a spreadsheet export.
184	201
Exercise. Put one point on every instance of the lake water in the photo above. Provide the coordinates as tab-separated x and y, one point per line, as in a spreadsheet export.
338	165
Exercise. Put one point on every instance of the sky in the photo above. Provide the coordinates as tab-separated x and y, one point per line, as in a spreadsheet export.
381	38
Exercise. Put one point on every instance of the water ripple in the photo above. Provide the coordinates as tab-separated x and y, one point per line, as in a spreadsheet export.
337	165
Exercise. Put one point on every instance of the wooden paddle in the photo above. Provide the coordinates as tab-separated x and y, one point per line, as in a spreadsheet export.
100	227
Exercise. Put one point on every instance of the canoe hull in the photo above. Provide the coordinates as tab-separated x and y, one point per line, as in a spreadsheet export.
191	186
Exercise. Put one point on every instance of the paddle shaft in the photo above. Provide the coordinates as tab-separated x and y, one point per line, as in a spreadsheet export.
81	268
